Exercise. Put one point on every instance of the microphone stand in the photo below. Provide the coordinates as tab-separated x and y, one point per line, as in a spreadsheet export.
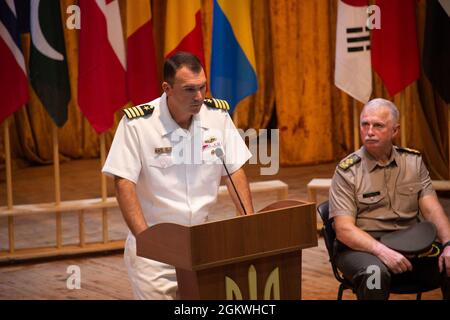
219	154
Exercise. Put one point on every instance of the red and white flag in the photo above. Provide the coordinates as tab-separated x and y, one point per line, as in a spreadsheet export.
13	75
395	54
102	63
353	73
142	80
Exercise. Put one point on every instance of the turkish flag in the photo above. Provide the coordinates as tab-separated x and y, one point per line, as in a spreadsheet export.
102	63
395	53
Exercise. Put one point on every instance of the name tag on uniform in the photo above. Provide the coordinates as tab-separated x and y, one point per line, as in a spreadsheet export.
163	150
371	194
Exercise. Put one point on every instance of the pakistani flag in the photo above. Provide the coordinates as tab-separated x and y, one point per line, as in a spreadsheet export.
48	65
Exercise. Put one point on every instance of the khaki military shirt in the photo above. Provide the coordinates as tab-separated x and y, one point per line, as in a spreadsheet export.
380	197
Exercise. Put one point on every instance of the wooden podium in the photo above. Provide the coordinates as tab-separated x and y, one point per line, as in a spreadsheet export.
246	257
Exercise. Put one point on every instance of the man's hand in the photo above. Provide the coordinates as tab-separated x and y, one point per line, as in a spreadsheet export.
353	237
129	205
432	211
444	261
395	261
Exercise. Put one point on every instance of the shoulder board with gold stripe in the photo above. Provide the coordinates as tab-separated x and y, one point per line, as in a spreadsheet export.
407	150
138	111
350	161
217	103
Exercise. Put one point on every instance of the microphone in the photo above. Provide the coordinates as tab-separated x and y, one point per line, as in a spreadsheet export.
219	153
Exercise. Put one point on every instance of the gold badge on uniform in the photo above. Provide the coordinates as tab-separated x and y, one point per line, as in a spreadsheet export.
163	150
210	140
350	161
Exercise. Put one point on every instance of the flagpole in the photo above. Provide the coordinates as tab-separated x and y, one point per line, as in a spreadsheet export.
104	188
403	117
356	141
9	193
56	171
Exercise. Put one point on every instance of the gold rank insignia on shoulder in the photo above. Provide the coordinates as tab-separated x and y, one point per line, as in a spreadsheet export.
350	161
407	150
217	103
138	111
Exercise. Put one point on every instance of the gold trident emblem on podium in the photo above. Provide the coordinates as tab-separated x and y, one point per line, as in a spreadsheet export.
271	288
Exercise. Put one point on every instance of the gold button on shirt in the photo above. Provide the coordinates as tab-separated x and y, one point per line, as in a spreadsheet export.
381	196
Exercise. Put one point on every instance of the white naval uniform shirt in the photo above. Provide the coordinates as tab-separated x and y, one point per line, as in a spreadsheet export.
179	183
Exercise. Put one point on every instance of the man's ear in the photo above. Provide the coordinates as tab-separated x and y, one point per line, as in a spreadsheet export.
396	130
166	87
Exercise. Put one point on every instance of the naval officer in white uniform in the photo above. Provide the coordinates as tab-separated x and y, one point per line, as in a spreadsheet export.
165	168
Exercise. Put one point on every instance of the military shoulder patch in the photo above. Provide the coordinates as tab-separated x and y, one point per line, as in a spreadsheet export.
217	103
407	150
350	161
138	111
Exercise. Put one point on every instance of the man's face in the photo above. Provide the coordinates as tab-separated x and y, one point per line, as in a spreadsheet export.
187	93
377	129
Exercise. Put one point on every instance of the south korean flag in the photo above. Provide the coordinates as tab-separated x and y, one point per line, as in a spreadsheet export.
353	72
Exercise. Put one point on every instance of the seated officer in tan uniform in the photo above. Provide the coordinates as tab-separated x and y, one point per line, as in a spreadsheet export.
381	188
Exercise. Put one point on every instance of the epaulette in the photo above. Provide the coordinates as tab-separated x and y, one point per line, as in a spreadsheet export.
408	150
217	103
138	111
350	161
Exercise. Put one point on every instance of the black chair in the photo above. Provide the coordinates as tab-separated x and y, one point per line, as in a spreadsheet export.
329	237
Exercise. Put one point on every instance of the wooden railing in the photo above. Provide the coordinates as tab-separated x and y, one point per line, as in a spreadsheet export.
82	207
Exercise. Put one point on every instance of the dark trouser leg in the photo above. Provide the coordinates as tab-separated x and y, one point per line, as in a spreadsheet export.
426	275
445	287
370	277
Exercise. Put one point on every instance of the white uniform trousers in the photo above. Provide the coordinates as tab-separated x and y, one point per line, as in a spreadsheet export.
150	279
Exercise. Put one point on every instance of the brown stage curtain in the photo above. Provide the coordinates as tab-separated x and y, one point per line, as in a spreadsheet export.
294	45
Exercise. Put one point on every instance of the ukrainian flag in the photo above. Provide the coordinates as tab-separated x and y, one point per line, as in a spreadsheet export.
233	67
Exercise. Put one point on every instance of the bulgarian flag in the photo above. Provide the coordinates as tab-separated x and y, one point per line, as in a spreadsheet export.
142	80
184	28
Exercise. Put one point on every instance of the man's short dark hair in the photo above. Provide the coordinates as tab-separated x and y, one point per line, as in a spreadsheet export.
178	60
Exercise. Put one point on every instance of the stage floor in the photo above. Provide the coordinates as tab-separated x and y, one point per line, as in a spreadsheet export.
103	276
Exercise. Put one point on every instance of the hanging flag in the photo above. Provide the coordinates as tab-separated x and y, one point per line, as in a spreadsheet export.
353	71
142	80
395	53
48	64
233	66
436	48
102	63
13	75
184	28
